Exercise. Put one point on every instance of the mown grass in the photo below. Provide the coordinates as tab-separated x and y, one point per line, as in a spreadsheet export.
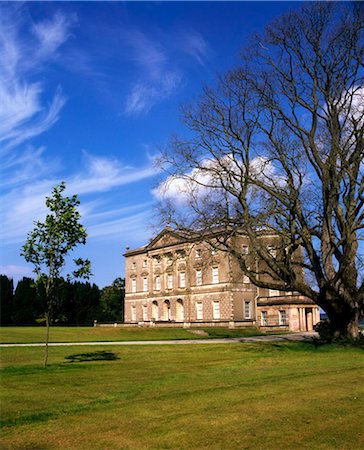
233	396
104	334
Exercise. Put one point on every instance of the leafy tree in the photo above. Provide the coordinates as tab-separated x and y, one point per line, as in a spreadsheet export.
6	300
48	246
26	303
278	145
112	301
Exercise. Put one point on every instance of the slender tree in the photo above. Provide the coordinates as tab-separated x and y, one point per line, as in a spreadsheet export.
48	246
278	146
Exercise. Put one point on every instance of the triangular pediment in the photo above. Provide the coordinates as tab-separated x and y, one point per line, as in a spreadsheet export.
166	238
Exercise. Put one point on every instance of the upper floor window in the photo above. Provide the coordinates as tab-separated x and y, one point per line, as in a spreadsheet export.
198	253
133	285
213	251
169	281
182	279
145	284
244	249
248	310
133	265
145	263
199	277
158	283
181	256
157	261
169	260
215	275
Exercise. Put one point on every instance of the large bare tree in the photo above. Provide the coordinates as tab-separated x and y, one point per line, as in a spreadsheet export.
277	146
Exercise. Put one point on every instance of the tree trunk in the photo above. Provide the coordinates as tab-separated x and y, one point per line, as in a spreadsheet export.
345	326
46	342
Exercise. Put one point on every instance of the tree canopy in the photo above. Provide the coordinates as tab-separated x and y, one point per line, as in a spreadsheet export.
48	246
278	145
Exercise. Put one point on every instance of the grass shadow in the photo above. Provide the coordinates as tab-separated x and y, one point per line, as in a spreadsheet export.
92	356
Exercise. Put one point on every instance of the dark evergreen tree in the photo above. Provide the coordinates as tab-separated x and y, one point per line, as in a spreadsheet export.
26	306
6	300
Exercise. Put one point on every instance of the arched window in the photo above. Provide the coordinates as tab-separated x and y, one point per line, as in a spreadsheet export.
180	312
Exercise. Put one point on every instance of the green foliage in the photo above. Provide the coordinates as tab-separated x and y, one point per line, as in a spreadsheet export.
48	246
51	241
112	302
6	300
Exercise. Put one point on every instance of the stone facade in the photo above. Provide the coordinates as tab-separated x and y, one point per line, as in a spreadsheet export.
176	281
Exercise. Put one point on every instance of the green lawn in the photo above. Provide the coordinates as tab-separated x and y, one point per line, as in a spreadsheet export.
232	396
92	334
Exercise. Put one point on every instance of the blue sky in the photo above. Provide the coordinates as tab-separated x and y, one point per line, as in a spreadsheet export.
88	93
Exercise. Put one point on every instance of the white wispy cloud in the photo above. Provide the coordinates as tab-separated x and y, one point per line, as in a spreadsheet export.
23	113
26	203
145	95
194	44
160	66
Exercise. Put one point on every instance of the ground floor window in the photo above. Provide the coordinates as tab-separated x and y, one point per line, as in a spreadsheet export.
199	311
133	314
264	319
155	314
216	310
248	310
282	317
145	312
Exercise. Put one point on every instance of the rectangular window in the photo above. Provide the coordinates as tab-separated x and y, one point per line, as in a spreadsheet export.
215	275
199	277
264	319
169	261
213	252
133	314
145	312
145	284
169	281
282	317
158	283
133	285
145	263
182	279
133	266
247	309
199	311
216	310
198	253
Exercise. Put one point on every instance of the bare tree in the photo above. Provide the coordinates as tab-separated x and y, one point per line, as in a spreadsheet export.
277	146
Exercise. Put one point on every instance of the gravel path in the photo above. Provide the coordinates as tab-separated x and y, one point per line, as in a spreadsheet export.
307	336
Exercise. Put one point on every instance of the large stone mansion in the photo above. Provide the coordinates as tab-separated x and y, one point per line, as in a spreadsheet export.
179	281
